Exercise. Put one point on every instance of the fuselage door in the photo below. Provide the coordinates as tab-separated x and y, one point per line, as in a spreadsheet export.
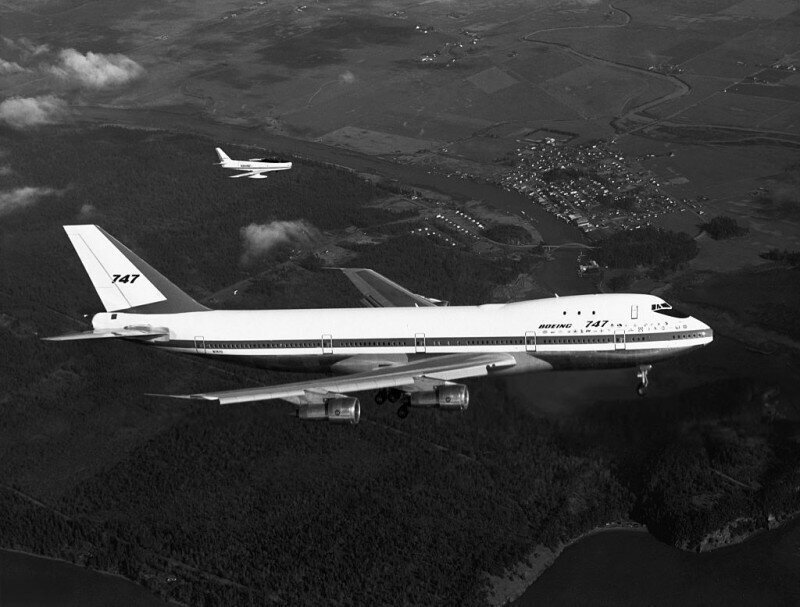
419	343
619	339
530	341
327	344
634	312
200	344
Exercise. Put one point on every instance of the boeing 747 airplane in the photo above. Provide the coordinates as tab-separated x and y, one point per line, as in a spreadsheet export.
254	168
406	348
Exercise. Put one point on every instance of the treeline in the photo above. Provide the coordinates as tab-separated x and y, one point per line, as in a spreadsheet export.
658	249
509	233
722	227
791	258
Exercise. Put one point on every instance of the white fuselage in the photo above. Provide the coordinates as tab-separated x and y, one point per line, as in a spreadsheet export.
254	165
583	331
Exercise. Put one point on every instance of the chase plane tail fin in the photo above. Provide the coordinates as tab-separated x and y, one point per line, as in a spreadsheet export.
223	157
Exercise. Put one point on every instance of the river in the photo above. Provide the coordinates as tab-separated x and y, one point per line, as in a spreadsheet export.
624	567
553	230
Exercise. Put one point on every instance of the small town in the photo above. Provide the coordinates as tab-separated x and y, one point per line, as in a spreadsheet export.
592	186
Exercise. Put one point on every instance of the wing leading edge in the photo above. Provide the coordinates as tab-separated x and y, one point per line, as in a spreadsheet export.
425	373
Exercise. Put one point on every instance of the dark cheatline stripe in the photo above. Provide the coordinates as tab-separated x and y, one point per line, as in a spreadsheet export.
434	342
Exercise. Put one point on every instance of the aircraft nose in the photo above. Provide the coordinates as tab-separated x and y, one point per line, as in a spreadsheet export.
706	331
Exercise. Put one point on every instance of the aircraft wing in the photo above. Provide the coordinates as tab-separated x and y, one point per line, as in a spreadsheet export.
380	292
259	174
412	376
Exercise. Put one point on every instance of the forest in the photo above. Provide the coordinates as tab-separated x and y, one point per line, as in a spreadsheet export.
247	505
722	227
660	250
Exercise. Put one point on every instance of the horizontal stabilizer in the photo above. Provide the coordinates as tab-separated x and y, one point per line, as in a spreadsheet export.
142	333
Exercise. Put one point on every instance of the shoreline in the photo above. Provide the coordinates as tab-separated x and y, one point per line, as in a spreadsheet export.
152	597
513	583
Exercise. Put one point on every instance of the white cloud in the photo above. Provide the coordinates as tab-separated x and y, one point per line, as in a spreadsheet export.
22	112
5	170
259	239
87	211
11	67
25	48
95	70
347	77
18	198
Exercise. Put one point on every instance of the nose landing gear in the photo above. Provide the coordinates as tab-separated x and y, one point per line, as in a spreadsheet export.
644	381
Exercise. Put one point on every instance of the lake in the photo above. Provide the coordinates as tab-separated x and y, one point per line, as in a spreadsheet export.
27	580
625	567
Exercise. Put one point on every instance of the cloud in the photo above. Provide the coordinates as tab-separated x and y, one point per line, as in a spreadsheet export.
347	77
95	70
87	211
25	48
11	67
6	170
18	198
260	239
22	112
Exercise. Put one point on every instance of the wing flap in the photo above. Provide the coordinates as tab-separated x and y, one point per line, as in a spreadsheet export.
440	368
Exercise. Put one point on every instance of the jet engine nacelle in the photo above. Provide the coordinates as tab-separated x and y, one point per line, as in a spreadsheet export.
451	397
336	410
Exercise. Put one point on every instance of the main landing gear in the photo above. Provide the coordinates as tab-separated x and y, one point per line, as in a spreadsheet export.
392	395
641	389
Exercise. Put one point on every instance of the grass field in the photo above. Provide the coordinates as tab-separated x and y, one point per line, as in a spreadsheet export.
312	70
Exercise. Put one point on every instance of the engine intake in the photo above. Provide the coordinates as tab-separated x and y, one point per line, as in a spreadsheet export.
450	397
336	410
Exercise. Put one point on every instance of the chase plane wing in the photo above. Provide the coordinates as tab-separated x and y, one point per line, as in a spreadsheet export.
251	175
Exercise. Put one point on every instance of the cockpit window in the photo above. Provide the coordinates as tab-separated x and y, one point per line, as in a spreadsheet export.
670	311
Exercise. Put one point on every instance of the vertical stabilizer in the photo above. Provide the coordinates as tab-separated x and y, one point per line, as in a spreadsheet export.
122	280
223	157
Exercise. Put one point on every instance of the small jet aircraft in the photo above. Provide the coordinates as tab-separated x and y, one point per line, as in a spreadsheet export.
255	167
407	348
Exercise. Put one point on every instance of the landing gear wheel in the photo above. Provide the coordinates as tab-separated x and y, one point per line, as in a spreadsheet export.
394	395
380	397
641	389
402	411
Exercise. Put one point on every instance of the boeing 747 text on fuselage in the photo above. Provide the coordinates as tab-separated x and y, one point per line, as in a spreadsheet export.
407	349
255	168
